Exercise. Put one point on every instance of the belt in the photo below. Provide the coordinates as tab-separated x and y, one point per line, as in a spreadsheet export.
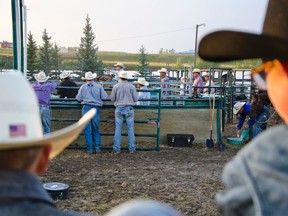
91	105
41	105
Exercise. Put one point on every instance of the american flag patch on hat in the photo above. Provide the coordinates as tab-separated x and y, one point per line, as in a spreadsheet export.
17	130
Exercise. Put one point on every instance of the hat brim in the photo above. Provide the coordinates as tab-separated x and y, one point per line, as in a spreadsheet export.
64	76
58	140
144	84
89	78
233	45
235	111
122	66
41	80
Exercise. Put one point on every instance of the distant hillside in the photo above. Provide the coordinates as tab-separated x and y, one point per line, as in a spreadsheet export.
156	61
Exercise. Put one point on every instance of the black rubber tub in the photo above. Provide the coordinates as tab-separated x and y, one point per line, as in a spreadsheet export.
57	190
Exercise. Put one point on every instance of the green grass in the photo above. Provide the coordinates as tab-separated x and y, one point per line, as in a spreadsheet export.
6	52
156	61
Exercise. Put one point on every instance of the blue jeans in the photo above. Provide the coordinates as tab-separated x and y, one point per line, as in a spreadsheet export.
45	118
121	114
91	131
261	123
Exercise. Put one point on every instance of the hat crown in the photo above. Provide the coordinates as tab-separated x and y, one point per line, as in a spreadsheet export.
123	74
237	107
205	74
90	76
164	70
41	77
64	74
120	64
19	112
196	70
276	19
142	81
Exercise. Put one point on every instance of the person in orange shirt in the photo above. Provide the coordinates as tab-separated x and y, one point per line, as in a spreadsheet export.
256	180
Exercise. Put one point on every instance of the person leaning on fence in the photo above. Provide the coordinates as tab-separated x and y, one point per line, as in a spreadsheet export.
258	115
256	180
164	79
91	95
66	82
198	82
25	152
119	66
43	90
182	86
142	84
209	83
124	96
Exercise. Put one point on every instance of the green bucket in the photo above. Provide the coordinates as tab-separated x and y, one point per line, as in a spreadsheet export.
235	141
240	140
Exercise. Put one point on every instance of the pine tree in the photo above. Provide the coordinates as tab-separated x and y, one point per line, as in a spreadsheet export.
142	59
45	52
55	57
31	54
87	50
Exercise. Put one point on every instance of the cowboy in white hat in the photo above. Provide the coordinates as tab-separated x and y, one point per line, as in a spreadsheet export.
198	82
244	110
142	84
24	150
67	82
124	96
91	95
43	91
209	83
89	76
256	179
164	79
119	66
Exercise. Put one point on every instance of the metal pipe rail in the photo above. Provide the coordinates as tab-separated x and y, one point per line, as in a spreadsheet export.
61	104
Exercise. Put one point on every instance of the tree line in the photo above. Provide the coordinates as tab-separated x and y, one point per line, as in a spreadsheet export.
46	57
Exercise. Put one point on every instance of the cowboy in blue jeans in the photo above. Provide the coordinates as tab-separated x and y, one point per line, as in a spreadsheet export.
43	90
255	125
124	96
91	95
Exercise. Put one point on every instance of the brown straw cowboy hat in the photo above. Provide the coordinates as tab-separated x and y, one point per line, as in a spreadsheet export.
233	45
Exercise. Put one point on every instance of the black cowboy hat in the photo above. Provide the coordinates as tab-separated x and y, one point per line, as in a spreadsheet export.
233	45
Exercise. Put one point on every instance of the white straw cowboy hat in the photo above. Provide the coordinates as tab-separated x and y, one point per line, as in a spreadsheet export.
89	76
237	107
21	125
142	81
123	74
163	70
204	74
119	64
196	70
41	77
64	74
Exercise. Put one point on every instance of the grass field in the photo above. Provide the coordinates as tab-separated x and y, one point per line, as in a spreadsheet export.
155	61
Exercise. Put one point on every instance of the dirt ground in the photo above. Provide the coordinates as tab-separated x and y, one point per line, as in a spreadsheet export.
186	178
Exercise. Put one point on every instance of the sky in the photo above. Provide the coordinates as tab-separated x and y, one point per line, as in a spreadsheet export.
126	25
